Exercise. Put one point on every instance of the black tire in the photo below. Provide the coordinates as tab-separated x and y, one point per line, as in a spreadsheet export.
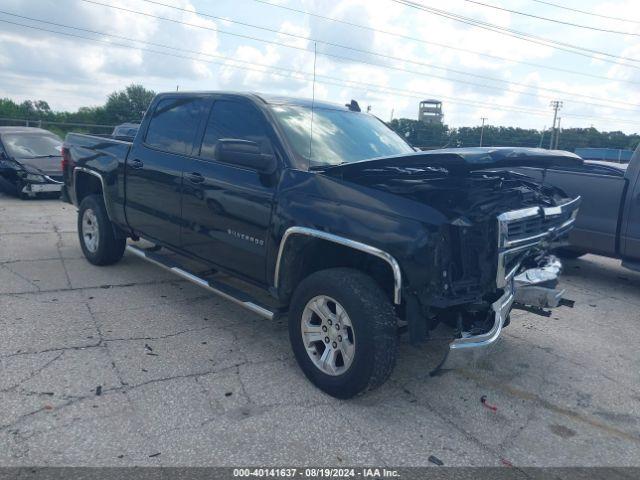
374	327
108	249
569	253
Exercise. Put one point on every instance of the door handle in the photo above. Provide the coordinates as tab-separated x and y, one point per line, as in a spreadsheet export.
136	163
195	177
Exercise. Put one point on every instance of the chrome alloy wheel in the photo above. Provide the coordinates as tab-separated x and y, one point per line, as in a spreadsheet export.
90	231
328	335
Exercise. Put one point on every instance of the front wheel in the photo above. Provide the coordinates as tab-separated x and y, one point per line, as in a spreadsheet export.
343	331
97	238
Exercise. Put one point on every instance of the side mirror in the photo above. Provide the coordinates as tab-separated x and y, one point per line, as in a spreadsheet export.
245	153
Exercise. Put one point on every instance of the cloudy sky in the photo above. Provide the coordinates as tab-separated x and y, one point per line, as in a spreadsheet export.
380	52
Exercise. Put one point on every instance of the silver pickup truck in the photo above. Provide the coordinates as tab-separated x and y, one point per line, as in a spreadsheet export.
609	220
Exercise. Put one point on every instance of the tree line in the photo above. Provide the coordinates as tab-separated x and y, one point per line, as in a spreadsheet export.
428	136
122	106
128	105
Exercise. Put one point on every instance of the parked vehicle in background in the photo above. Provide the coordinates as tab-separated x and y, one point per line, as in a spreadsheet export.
609	220
30	161
343	227
126	131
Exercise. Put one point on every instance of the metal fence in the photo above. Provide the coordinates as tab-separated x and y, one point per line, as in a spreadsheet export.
49	124
605	154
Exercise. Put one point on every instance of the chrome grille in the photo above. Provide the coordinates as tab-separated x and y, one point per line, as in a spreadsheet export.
521	230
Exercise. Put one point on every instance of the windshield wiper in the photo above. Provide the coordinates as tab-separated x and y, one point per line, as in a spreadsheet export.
326	166
45	156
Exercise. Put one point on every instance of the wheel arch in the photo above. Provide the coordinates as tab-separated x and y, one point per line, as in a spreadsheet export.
304	251
89	182
86	182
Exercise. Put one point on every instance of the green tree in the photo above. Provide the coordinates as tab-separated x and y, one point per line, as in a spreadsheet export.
127	105
426	136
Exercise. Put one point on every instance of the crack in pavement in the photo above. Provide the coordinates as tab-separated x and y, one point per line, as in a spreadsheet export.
548	351
22	277
58	246
465	433
170	335
103	341
55	349
525	395
94	287
33	374
123	389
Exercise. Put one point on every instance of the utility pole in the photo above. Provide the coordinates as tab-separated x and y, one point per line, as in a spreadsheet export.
556	105
391	118
544	129
558	134
482	129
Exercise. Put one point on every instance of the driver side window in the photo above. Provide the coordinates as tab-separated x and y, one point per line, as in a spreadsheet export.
230	119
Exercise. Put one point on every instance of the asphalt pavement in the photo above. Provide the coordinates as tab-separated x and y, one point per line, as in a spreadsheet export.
129	365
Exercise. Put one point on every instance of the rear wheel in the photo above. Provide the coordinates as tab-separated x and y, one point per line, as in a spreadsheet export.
343	331
97	238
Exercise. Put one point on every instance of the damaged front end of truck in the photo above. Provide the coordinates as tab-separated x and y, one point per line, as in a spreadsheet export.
494	251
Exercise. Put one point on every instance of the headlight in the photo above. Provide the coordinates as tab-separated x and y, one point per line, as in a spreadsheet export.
33	177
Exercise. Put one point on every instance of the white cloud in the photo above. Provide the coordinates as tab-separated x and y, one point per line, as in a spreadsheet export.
71	72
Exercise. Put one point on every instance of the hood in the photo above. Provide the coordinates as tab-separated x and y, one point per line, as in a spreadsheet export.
461	161
463	184
43	165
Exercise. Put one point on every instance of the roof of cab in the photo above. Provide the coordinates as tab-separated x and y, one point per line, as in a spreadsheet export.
266	99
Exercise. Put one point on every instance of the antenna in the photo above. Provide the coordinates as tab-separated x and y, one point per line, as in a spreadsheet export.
313	95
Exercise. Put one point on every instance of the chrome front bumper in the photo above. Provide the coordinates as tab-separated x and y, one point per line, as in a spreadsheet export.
468	349
533	288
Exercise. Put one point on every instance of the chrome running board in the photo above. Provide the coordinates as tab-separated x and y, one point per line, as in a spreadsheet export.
221	289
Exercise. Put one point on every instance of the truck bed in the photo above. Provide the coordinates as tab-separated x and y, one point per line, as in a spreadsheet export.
103	159
95	150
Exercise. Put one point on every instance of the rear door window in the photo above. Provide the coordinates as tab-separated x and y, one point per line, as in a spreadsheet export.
174	124
230	119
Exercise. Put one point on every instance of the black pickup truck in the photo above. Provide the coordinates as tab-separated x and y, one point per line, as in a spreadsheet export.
341	225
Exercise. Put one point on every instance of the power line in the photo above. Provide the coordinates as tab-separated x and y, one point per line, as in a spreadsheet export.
328	80
358	50
334	56
429	42
553	20
563	46
576	10
382	88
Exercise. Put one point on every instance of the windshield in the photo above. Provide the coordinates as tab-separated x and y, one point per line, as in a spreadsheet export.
32	145
339	136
